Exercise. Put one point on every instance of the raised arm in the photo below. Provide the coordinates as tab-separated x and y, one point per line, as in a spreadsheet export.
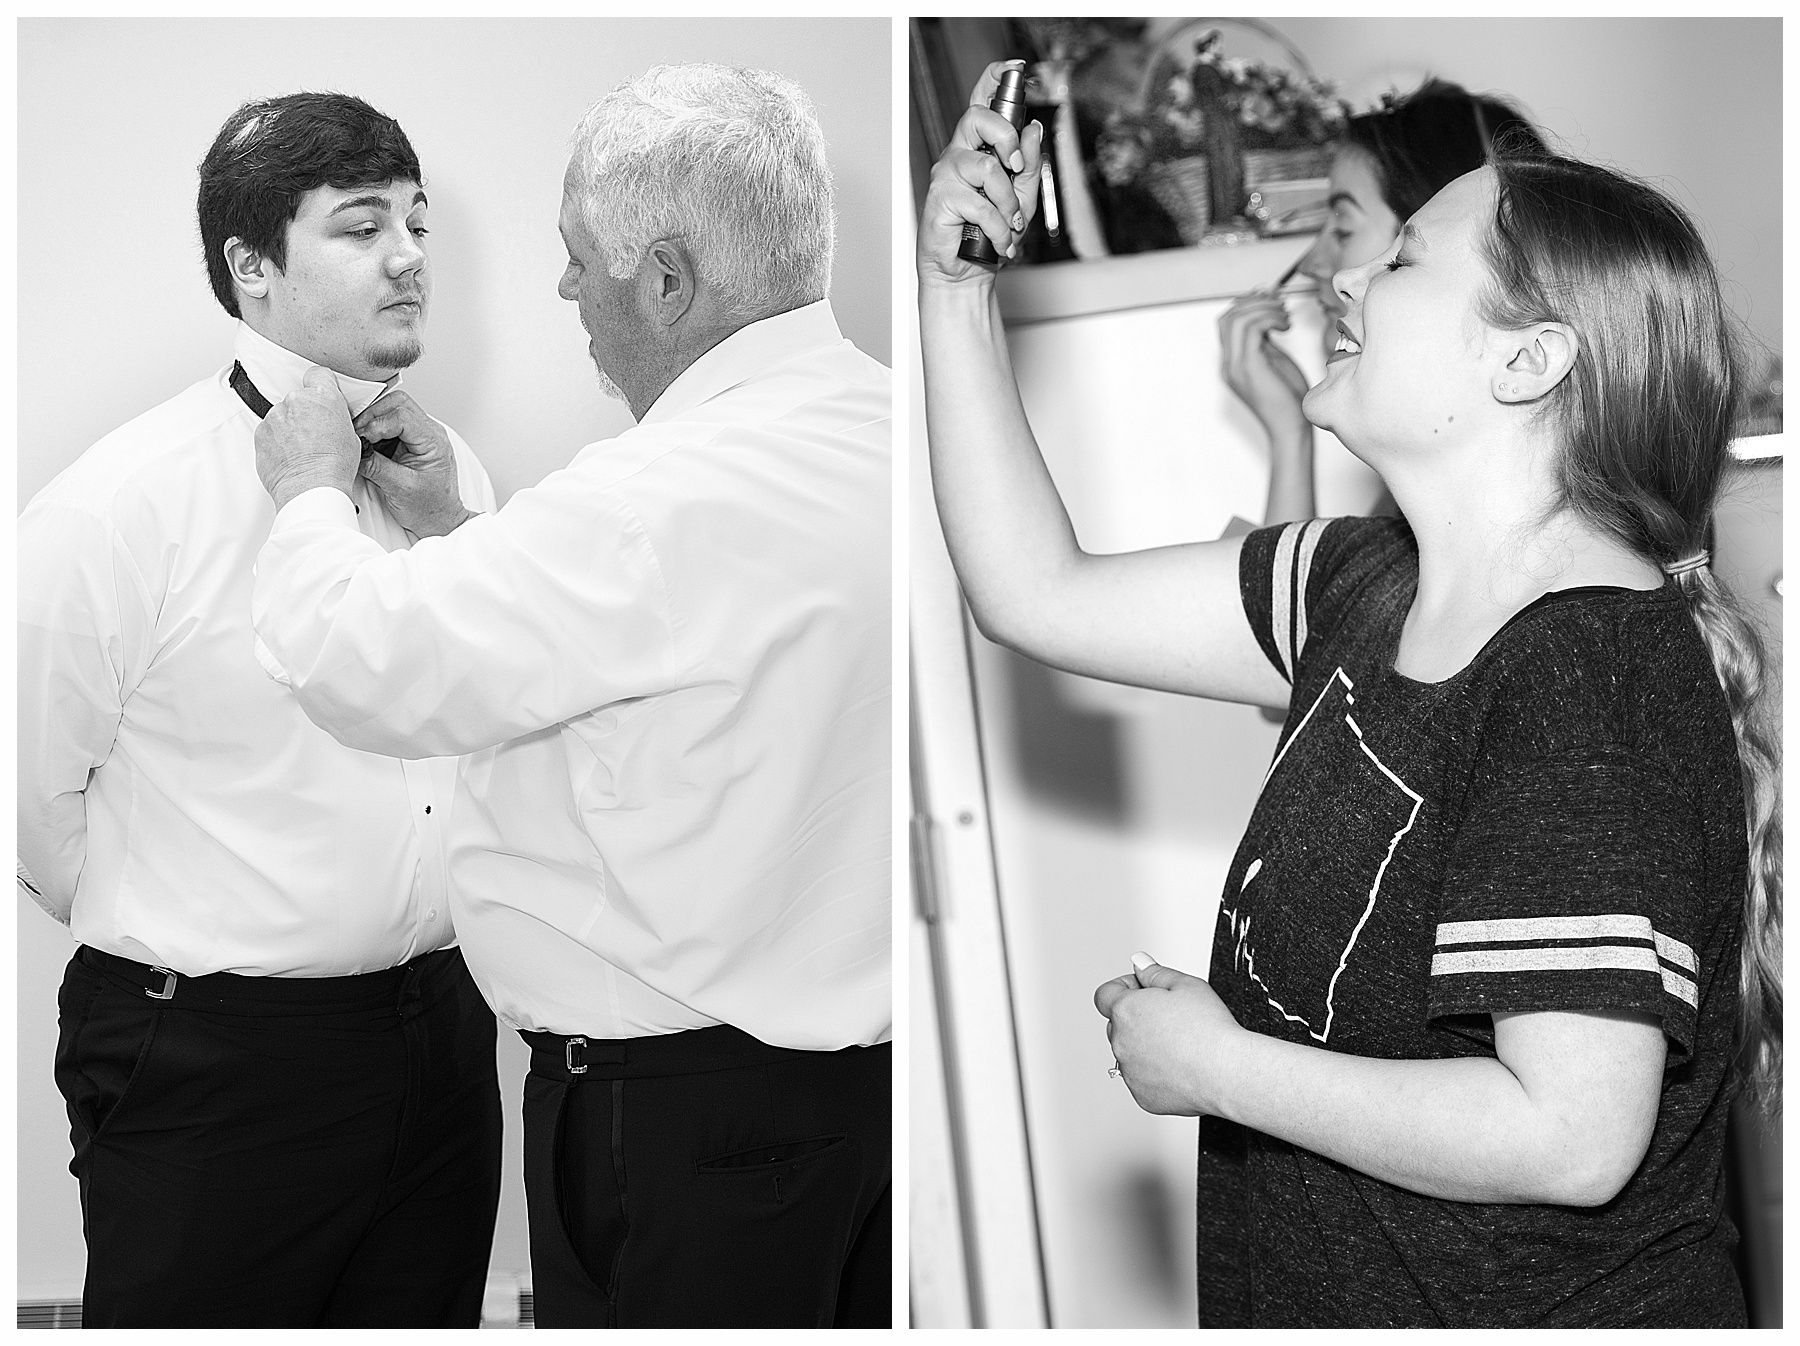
504	625
512	623
1170	617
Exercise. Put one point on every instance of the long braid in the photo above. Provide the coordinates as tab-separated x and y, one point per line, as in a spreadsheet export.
1740	660
1644	422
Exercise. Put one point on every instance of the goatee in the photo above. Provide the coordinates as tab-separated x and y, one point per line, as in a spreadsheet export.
610	388
400	355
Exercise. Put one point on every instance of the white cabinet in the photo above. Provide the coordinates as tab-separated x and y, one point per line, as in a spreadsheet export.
1113	811
1118	363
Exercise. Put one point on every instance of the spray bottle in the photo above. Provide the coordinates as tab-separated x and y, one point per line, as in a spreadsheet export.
1009	102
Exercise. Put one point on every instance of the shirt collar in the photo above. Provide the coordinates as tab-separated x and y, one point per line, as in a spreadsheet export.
744	354
277	371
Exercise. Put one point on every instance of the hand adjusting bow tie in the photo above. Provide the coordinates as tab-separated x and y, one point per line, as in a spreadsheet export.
241	385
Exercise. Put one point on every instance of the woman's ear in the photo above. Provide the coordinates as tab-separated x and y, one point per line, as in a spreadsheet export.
1539	359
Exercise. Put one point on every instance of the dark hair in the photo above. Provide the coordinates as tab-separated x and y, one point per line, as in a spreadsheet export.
1425	140
273	151
1644	421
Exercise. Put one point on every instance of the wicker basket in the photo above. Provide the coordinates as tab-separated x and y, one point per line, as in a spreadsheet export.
1285	165
1181	187
1236	171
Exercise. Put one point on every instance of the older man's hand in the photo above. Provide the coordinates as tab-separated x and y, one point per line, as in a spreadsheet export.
419	485
307	440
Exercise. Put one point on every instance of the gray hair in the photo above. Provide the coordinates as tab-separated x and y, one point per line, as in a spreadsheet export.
730	161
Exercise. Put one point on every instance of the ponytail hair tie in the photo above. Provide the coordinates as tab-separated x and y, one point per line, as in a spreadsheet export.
1699	560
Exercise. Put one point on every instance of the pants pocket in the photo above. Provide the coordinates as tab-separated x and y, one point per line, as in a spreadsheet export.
103	1049
591	1177
770	1158
566	1292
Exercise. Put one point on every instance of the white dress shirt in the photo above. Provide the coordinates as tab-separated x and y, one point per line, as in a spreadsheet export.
175	805
669	663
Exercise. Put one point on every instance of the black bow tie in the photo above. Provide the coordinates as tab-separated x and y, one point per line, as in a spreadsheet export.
253	398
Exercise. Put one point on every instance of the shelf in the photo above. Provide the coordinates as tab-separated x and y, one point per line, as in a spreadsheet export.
1053	291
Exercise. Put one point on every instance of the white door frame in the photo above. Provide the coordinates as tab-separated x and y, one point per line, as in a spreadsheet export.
976	1254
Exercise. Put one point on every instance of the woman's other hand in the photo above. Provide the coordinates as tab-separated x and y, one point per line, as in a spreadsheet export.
971	186
1259	371
1172	1037
1562	1113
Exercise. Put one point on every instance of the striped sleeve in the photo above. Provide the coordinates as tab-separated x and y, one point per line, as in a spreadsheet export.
1575	883
1296	578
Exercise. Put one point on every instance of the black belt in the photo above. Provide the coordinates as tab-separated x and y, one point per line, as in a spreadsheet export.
566	1056
365	989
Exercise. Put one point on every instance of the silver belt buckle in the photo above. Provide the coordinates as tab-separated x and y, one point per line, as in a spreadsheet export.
568	1052
168	990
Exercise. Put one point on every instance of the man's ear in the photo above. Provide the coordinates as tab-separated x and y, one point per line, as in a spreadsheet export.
250	270
1538	359
669	282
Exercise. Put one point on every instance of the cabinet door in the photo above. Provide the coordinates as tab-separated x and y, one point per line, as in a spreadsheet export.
1146	443
1064	823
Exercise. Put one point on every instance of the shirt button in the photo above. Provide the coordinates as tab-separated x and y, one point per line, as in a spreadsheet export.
428	808
431	915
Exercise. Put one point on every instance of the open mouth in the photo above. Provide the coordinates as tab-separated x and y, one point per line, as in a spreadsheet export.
1346	344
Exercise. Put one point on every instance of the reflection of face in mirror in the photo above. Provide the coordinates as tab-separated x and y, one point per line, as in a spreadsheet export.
1361	228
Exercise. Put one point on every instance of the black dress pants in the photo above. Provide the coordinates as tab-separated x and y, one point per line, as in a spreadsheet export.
704	1179
282	1152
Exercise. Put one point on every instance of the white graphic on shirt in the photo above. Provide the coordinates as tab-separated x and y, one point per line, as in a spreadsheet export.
1331	684
1309	1005
1242	955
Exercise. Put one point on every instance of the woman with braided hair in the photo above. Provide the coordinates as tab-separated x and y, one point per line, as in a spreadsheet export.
1502	939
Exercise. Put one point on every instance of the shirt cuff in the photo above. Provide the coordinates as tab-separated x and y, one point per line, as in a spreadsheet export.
28	886
322	505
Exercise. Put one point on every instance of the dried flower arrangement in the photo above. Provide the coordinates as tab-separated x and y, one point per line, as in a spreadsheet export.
1272	108
1253	105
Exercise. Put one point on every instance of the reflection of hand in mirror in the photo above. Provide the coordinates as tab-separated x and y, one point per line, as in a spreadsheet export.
1262	375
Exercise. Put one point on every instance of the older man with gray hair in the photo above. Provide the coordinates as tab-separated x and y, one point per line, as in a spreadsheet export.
667	669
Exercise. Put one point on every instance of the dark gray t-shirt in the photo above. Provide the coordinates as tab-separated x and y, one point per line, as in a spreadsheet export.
1559	826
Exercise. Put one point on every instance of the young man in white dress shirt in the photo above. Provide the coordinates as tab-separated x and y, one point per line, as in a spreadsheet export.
669	663
280	1077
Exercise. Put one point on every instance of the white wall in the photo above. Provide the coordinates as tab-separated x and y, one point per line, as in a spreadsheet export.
115	314
115	113
1692	104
